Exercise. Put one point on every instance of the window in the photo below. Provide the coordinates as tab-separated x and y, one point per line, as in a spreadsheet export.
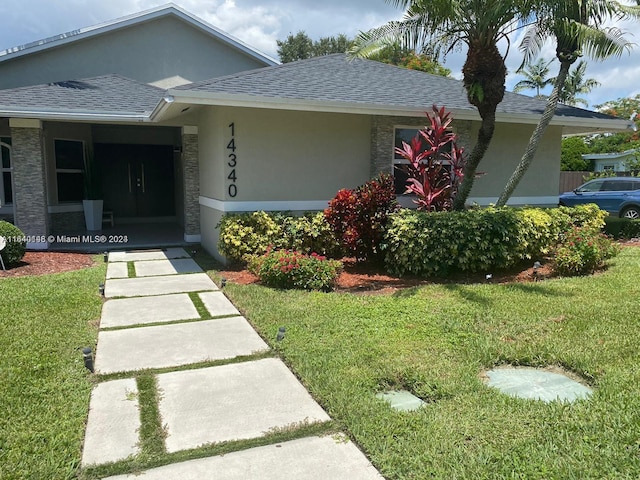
69	169
6	185
405	134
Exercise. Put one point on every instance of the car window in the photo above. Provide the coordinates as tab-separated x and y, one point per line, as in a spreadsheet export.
635	184
593	186
616	185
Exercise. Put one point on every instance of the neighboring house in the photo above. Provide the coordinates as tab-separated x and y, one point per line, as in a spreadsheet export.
280	137
613	162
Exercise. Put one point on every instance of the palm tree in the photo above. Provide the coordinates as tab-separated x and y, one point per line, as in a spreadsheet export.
480	24
576	84
577	26
535	77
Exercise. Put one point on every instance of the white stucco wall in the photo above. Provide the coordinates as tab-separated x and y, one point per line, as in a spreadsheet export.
166	52
286	160
539	185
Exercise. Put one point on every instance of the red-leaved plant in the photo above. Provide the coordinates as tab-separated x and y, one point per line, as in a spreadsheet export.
435	164
358	217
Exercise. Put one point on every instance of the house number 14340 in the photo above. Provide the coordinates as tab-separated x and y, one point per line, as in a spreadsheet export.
233	161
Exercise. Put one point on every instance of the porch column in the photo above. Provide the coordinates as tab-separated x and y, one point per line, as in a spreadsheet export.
30	180
191	183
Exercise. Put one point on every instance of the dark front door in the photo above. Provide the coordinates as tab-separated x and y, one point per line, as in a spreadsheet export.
138	180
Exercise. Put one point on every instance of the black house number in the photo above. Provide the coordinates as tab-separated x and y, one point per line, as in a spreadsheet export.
233	162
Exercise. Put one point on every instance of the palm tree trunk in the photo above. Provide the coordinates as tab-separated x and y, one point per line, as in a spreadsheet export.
536	136
485	134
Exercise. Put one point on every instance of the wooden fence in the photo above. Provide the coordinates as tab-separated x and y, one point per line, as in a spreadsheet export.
571	180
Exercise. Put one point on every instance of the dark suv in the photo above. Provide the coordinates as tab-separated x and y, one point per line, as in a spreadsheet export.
619	196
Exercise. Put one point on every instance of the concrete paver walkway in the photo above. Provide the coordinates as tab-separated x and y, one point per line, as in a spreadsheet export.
241	400
312	458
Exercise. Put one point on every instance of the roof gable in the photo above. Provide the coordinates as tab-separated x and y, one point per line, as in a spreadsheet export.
169	9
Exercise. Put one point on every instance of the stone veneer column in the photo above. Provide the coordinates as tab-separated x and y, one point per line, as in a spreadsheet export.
191	180
383	142
30	179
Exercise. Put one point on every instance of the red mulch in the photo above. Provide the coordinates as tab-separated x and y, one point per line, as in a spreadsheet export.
43	263
358	278
355	278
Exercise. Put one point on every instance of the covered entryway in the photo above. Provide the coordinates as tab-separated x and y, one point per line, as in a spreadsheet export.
138	180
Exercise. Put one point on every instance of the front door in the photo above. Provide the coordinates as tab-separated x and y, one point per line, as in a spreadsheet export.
138	180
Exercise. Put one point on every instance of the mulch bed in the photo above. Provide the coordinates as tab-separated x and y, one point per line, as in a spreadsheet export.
355	278
44	263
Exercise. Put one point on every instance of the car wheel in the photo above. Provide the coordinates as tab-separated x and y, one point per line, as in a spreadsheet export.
631	212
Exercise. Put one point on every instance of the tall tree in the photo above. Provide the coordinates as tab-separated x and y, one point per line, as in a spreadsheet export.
578	26
300	46
576	84
535	77
295	47
441	25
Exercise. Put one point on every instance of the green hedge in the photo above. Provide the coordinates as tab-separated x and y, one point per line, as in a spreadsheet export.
622	228
15	249
252	233
436	244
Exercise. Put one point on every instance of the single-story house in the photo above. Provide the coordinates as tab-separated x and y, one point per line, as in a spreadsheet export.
188	123
613	162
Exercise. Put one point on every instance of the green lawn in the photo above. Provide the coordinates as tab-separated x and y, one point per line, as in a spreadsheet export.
44	387
435	341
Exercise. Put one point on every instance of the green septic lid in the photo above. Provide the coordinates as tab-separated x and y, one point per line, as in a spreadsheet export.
537	384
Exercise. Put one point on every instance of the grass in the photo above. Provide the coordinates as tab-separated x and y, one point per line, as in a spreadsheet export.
44	387
436	340
433	340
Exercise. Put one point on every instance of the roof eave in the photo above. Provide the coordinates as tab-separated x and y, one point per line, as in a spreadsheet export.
75	116
278	103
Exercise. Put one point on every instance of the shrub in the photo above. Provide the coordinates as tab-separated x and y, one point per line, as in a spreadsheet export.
252	233
435	164
622	228
588	215
439	243
292	269
16	248
247	234
583	251
359	217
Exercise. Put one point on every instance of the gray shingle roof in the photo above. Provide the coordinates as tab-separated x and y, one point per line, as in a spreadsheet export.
103	95
335	78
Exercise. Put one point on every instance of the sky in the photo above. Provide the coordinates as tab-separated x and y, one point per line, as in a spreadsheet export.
260	23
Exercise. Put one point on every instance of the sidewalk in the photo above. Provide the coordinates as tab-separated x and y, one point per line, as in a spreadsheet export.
171	315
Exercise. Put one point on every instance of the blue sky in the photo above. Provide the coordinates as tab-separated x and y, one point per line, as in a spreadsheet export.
261	23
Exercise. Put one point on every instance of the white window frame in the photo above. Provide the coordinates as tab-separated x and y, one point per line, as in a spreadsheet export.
3	170
68	170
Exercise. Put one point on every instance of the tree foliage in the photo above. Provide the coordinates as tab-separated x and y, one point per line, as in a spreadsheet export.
571	155
300	46
576	84
578	28
439	26
536	77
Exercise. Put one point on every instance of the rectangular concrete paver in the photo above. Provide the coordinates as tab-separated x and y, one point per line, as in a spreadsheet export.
113	423
158	254
174	345
218	304
138	287
311	458
122	312
232	402
117	270
166	267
